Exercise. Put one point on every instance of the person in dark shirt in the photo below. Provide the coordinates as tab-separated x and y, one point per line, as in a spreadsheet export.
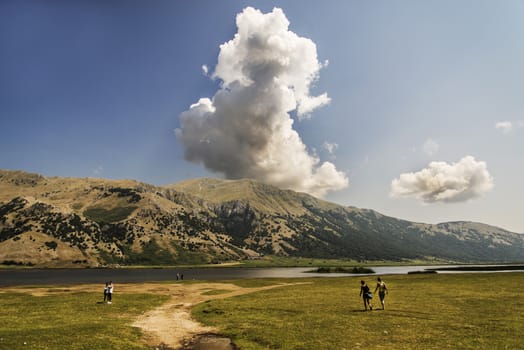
106	291
366	295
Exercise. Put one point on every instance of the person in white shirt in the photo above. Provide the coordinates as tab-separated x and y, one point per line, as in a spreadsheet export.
110	293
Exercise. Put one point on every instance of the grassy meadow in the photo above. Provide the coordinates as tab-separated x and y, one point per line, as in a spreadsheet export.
286	261
75	320
426	311
452	311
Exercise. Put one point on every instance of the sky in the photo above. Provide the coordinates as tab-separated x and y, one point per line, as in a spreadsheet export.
411	108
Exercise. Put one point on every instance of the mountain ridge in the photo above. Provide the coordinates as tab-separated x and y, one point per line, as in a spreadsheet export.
56	221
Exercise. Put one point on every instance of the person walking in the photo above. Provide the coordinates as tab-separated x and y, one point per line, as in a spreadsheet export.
366	295
382	290
110	292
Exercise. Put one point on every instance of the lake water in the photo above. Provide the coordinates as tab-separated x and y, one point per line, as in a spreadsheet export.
16	277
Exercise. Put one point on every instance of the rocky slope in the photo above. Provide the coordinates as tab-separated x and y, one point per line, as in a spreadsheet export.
53	221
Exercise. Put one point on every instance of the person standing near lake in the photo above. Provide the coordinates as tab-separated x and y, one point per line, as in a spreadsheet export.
105	291
366	295
110	292
382	290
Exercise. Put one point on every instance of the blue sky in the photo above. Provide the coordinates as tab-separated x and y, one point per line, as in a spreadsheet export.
97	88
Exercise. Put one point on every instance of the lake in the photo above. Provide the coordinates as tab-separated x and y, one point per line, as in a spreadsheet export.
16	277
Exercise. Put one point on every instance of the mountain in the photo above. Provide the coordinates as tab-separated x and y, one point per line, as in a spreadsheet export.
68	222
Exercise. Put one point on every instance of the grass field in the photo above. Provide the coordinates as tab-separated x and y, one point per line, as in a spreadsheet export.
465	311
279	261
71	321
437	311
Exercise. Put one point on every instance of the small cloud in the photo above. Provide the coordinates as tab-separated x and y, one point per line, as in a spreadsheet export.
205	69
505	126
98	171
430	147
330	147
443	182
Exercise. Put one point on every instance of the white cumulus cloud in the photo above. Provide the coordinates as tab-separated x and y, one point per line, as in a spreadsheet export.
443	182
246	130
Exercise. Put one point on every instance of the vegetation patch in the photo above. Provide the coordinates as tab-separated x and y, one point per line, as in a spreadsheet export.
421	271
77	206
188	257
151	254
16	263
340	269
286	261
51	245
69	320
437	311
102	215
216	292
480	268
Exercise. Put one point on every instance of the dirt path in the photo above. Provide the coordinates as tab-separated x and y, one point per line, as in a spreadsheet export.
170	324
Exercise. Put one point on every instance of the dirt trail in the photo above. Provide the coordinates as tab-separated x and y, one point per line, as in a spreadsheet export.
171	323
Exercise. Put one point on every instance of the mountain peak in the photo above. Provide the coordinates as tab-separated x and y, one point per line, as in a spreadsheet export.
263	197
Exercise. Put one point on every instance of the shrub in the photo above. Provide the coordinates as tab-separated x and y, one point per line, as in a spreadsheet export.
51	245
